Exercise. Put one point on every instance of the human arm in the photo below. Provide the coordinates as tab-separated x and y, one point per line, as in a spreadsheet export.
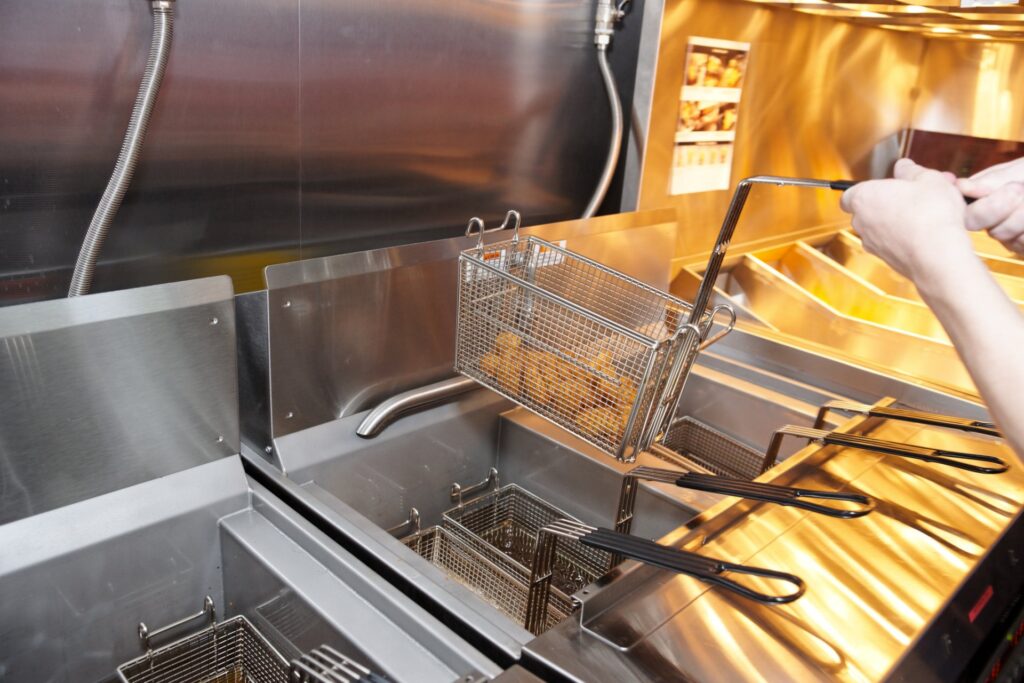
915	222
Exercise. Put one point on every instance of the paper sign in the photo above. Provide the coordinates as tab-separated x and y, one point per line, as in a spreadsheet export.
708	114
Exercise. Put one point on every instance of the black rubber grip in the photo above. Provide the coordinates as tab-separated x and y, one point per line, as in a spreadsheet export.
844	185
782	495
936	420
700	567
935	455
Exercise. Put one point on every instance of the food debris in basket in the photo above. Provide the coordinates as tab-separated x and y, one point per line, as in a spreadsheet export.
599	401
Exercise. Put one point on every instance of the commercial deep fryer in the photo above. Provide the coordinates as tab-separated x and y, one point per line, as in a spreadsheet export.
333	337
123	502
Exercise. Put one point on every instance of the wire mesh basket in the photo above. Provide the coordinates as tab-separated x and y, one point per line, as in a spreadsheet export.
508	520
715	451
228	652
599	353
488	574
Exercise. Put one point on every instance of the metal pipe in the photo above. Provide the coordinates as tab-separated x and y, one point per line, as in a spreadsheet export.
384	414
615	143
732	218
85	266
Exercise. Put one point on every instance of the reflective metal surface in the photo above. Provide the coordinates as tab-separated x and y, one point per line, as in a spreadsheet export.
290	129
888	595
822	98
347	331
846	249
77	581
853	296
391	409
793	310
110	390
969	88
302	588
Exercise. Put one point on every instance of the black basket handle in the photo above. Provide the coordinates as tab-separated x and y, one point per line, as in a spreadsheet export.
782	495
706	569
958	459
907	415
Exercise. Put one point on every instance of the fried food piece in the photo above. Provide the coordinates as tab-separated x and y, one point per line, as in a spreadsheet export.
569	386
502	370
539	376
489	364
627	395
604	392
507	343
604	423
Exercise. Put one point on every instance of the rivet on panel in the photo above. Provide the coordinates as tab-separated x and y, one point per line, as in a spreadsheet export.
214	320
289	415
287	304
269	449
220	439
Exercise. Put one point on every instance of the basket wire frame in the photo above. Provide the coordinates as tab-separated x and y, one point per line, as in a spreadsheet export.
718	452
232	651
508	520
587	347
496	581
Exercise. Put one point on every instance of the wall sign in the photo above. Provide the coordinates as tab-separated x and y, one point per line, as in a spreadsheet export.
708	109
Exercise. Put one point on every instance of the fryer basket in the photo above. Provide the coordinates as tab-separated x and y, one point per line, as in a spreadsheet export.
599	353
508	520
486	573
227	652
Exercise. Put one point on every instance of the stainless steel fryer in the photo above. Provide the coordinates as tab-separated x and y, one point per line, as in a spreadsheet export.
141	507
744	387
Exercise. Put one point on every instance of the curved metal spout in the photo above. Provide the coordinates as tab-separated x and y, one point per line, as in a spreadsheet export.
384	414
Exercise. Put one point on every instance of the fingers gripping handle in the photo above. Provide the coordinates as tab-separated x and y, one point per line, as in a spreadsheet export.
844	185
706	569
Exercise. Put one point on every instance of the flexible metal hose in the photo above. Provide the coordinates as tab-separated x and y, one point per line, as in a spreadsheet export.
163	19
616	137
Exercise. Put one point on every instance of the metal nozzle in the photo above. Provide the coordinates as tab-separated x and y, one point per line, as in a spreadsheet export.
608	15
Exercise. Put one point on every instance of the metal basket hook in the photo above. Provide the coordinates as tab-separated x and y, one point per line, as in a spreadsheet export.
513	218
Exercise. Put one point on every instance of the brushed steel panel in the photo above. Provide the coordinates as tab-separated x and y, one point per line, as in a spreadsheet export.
288	129
219	171
854	296
971	88
77	581
110	390
848	250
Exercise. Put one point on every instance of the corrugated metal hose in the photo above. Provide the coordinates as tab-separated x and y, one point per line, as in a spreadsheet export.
612	160
163	20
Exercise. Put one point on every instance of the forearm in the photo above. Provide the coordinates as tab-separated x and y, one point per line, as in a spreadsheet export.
988	332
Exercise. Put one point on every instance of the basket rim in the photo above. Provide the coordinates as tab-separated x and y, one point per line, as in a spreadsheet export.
238	619
474	255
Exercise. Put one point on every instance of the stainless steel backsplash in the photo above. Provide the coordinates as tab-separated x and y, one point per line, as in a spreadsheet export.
288	129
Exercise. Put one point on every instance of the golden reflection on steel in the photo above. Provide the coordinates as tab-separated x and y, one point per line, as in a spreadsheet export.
859	98
874	584
852	295
971	88
794	311
846	249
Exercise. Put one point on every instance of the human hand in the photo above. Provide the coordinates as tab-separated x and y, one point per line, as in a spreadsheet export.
1000	207
914	222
